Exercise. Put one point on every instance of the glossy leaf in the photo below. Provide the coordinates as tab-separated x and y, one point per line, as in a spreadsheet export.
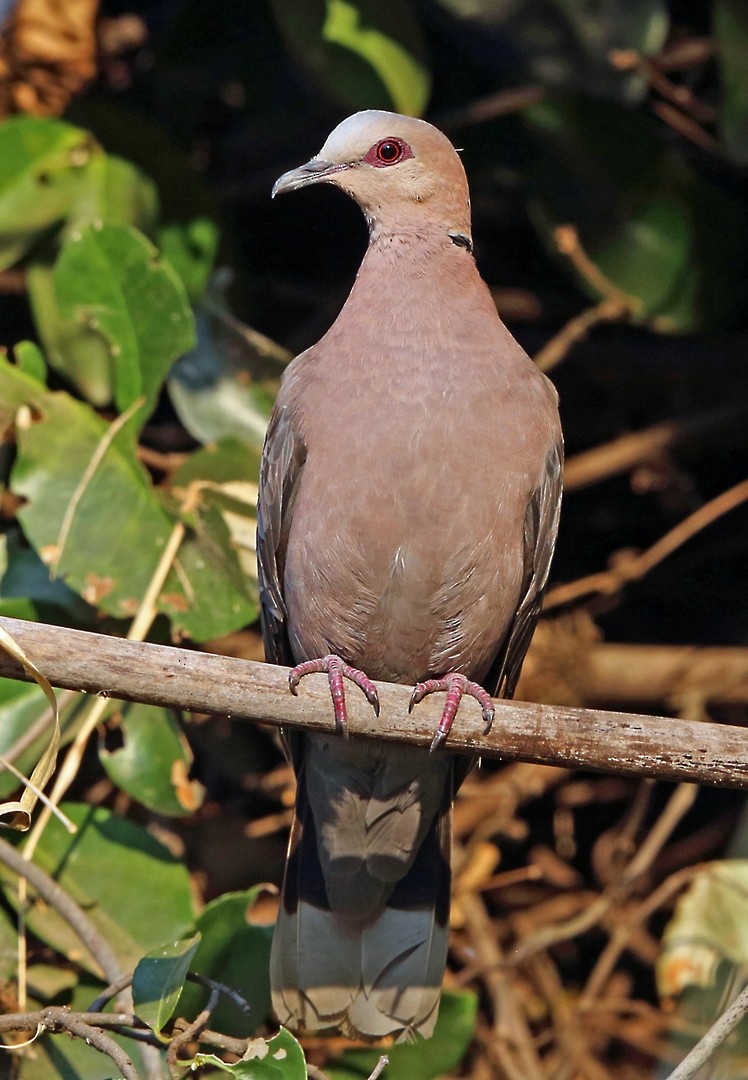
44	171
424	1059
158	981
130	886
120	311
368	53
279	1058
153	762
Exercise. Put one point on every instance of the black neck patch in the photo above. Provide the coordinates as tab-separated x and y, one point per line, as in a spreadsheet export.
460	240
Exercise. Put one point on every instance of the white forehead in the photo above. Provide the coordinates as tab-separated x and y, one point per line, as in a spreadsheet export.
352	138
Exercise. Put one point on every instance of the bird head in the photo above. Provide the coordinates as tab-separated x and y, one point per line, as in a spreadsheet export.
403	172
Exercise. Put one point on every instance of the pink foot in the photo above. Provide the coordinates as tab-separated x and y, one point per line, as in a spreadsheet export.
456	686
336	670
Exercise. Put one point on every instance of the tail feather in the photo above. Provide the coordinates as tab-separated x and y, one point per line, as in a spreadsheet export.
368	975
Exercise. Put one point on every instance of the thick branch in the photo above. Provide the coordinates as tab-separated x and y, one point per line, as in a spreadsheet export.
620	743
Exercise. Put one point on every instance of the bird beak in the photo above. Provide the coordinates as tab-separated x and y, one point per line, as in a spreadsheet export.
316	171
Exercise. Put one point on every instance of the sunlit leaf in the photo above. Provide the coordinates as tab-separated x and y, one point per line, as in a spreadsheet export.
158	981
44	171
104	529
121	316
708	926
279	1058
153	762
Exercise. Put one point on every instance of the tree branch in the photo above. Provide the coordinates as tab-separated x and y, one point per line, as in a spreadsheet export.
620	743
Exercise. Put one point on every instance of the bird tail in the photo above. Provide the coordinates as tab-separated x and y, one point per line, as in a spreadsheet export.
368	977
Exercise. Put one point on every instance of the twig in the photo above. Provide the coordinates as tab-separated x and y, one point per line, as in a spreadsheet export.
713	1039
189	1031
65	906
621	743
638	447
687	127
569	244
56	1018
577	329
628	569
379	1068
677	93
677	806
502	103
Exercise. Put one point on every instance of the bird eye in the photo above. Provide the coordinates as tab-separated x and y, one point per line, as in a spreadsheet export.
389	151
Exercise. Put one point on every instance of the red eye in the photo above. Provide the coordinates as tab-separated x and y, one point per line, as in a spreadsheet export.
389	151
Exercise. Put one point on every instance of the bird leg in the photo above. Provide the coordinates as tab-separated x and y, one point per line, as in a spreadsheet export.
337	670
456	686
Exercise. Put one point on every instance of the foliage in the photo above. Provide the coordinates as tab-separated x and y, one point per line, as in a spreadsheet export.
137	241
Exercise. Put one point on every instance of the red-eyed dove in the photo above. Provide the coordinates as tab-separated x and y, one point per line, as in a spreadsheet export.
409	500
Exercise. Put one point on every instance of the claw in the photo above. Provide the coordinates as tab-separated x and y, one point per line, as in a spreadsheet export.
456	686
336	670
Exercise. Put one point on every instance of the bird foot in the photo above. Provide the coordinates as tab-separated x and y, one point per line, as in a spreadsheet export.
456	686
336	670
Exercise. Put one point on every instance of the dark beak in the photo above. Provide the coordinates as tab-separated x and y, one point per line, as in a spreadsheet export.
316	171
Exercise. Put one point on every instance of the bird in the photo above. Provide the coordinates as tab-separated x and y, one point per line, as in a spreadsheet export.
409	497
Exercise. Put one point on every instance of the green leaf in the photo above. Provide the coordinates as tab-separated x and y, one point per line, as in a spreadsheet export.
368	53
190	248
427	1058
236	953
122	195
30	360
105	529
158	981
708	926
44	171
223	478
8	946
121	316
153	763
130	886
25	586
21	705
279	1058
731	38
659	233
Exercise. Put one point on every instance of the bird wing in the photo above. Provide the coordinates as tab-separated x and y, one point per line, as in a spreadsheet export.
540	529
283	459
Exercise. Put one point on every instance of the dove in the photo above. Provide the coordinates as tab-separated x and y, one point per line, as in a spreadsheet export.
409	498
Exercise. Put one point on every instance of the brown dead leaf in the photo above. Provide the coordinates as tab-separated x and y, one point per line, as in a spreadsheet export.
47	55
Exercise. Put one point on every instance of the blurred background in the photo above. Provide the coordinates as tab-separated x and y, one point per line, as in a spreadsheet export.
149	284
